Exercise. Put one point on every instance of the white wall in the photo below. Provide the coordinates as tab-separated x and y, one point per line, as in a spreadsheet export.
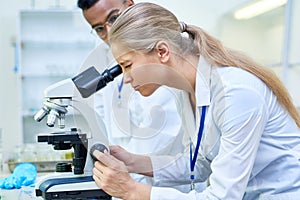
293	75
9	99
199	12
262	38
203	13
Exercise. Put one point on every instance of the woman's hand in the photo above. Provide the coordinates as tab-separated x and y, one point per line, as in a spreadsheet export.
134	163
111	175
123	155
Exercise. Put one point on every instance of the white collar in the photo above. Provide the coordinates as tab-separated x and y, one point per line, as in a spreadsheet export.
202	90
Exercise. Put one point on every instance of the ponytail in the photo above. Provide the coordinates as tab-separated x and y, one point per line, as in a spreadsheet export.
132	31
216	54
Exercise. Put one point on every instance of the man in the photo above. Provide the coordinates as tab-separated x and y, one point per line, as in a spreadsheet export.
124	110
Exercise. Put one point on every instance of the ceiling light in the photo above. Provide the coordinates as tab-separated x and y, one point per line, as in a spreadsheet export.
258	8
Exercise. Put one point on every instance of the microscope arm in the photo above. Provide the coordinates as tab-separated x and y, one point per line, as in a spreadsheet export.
97	127
61	94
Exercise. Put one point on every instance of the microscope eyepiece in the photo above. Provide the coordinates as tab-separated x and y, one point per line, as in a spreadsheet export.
90	81
114	71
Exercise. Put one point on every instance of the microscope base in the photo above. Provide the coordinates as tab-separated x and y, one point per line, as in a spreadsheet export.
79	188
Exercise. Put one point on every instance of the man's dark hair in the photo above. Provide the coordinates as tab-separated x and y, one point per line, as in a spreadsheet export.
86	4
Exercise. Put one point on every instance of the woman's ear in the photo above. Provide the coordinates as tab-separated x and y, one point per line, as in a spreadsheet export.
128	2
163	51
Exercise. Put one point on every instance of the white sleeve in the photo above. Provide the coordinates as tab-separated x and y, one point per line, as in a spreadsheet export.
158	193
241	125
241	116
170	194
172	171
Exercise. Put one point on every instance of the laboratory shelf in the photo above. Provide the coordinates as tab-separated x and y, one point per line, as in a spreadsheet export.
56	43
52	44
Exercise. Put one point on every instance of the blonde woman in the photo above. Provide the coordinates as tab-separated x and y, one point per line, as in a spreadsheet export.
248	126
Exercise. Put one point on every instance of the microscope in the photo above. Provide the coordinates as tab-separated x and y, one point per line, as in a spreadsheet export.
59	98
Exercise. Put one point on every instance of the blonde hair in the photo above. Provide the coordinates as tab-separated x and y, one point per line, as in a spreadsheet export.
142	25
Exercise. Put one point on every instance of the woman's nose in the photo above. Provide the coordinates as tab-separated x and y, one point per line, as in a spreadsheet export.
127	77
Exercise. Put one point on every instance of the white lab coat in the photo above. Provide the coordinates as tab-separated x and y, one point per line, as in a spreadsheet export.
250	145
151	125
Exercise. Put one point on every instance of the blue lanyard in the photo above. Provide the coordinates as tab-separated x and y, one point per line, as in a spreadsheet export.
194	158
120	89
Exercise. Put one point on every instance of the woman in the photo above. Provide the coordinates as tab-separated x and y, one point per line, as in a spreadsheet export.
248	127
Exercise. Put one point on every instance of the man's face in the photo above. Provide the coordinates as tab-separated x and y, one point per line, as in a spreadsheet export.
102	13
